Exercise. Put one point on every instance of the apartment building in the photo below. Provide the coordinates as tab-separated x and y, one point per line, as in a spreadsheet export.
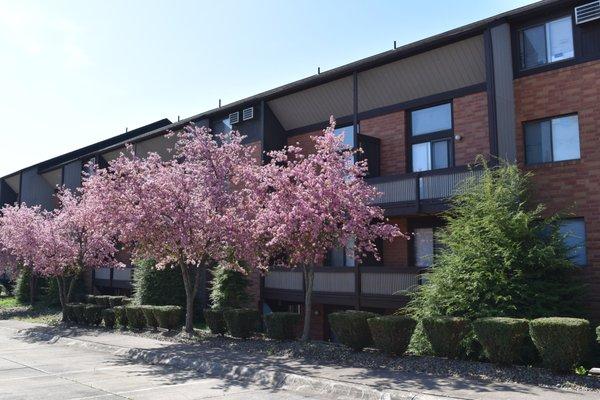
523	86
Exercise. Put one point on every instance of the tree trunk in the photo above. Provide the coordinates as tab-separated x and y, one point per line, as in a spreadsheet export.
32	282
61	296
191	282
309	277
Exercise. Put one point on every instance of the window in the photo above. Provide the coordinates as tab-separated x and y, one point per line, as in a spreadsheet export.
554	139
574	238
547	43
348	132
425	247
434	150
341	256
431	120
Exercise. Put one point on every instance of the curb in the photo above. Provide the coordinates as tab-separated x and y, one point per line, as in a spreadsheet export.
270	379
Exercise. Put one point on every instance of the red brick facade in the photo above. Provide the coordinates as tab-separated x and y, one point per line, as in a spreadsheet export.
471	123
570	186
391	130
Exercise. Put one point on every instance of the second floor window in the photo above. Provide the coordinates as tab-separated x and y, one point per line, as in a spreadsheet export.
553	139
546	43
431	137
348	132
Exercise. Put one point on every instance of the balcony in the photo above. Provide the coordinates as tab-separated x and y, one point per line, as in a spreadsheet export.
117	278
421	192
382	287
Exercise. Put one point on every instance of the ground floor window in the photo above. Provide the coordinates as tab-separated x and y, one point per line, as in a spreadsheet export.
425	246
573	231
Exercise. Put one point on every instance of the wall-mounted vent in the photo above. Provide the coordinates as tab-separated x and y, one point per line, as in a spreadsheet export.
234	118
248	113
587	12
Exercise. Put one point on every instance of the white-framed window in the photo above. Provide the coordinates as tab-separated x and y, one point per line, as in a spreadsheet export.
425	246
546	43
430	133
552	139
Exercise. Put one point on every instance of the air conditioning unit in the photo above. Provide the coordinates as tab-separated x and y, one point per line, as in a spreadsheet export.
248	113
234	118
587	12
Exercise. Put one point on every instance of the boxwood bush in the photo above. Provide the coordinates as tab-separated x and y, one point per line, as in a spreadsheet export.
114	301
135	317
446	334
79	312
282	325
169	317
103	301
120	316
108	315
151	320
563	343
241	322
351	328
215	321
70	315
502	339
391	333
90	299
93	314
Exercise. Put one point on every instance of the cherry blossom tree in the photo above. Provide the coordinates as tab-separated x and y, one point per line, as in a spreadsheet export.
318	202
59	243
188	212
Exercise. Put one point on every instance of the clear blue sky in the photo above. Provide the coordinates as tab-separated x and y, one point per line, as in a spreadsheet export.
75	72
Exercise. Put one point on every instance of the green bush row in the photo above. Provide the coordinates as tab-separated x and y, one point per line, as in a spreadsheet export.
238	322
106	301
126	316
562	343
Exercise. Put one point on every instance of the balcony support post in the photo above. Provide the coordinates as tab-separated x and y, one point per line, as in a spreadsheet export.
357	288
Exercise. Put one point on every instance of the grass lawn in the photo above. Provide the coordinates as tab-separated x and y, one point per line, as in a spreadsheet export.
41	312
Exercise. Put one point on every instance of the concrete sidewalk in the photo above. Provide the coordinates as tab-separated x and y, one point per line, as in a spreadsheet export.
285	373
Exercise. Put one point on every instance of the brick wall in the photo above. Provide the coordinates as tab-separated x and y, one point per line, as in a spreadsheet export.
572	185
390	129
395	253
471	123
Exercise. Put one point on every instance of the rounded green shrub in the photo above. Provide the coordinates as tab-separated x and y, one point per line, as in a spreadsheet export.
90	299
103	301
563	343
446	334
282	325
228	288
108	315
215	321
168	317
114	301
120	316
391	333
79	312
241	322
158	287
126	301
502	339
135	317
93	314
69	312
151	320
351	328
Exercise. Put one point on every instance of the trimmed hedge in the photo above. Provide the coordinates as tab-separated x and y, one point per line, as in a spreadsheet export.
115	301
69	312
168	317
158	287
135	317
351	328
151	320
215	321
502	338
563	343
108	315
282	325
241	323
103	301
446	334
126	301
93	314
120	316
391	333
79	312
